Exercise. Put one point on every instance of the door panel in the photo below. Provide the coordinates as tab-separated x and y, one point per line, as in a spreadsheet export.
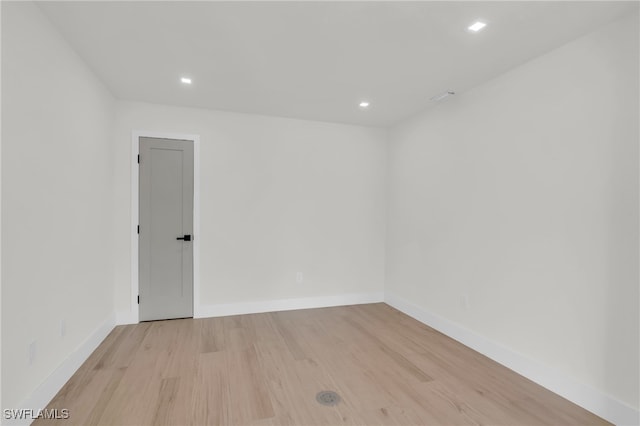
166	213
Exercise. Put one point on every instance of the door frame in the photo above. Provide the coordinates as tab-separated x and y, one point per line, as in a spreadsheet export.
135	208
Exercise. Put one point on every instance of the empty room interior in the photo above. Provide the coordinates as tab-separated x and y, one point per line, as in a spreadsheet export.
320	213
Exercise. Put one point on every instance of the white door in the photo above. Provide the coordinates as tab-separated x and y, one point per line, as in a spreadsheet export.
166	229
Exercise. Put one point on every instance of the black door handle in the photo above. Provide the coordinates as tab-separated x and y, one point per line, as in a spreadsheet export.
185	238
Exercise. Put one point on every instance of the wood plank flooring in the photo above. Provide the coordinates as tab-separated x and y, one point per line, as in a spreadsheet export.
266	369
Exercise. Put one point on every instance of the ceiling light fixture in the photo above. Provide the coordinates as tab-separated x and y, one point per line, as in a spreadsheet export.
443	95
477	26
364	104
185	80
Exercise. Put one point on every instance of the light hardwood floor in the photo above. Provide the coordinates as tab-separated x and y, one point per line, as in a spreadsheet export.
266	369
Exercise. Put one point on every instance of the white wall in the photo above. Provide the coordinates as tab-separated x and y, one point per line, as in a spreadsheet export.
523	195
57	206
278	196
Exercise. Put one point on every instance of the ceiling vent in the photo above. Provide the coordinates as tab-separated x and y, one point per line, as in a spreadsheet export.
444	95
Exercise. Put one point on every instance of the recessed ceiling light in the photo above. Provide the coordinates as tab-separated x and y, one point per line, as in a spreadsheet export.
185	80
477	26
364	104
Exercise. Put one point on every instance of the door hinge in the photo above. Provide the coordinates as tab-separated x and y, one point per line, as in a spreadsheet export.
138	229
138	158
138	299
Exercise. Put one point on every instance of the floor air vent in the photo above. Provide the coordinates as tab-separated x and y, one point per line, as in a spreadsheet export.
328	398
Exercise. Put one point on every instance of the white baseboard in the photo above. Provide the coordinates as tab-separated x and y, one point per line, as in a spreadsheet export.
54	382
226	309
585	396
241	308
126	317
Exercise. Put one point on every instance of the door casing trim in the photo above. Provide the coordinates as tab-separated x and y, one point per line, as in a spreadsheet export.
135	208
